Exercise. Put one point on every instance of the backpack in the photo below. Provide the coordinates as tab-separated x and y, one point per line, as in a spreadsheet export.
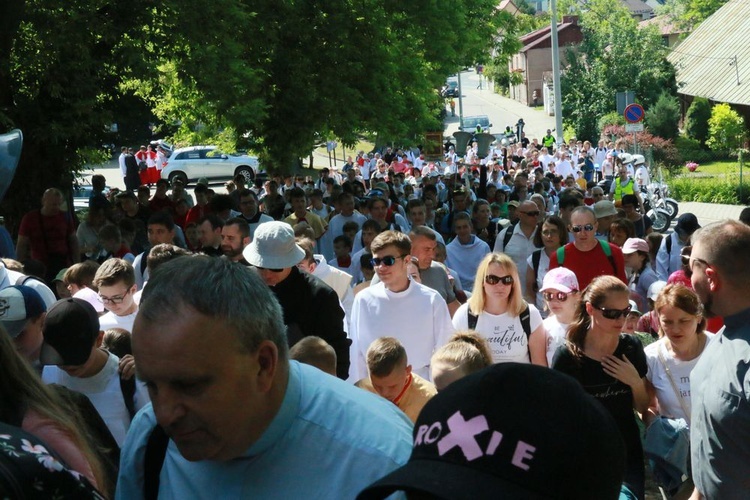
607	251
142	165
23	279
525	320
127	387
536	256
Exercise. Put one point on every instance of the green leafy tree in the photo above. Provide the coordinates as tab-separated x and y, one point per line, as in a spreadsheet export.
615	55
688	14
696	119
663	116
726	128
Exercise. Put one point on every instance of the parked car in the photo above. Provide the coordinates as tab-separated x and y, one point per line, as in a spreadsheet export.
471	122
450	89
190	164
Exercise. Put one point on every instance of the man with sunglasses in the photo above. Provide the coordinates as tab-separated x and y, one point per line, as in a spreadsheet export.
310	306
398	307
720	382
587	256
517	240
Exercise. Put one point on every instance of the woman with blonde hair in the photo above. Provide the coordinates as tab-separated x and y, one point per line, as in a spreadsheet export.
29	404
610	365
465	353
496	310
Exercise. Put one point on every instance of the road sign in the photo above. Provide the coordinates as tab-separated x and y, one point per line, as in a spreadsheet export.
634	113
633	127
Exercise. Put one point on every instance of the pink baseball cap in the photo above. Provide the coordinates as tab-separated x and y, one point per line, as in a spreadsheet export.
561	279
633	245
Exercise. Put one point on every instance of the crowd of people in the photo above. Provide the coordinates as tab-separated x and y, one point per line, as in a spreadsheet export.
502	324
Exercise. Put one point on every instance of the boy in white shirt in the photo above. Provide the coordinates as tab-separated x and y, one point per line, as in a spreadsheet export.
73	358
115	280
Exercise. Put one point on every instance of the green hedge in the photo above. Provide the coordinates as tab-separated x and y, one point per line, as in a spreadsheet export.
710	189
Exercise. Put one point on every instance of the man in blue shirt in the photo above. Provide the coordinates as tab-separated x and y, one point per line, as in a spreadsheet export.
720	382
241	419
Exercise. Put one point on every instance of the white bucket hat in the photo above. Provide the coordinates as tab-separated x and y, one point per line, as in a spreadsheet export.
273	247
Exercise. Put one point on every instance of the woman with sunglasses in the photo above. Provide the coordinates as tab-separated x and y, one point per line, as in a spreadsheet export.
496	310
672	358
550	235
610	365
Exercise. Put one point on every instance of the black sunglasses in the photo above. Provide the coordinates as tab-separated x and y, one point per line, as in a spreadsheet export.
578	229
614	313
533	213
387	261
491	279
559	296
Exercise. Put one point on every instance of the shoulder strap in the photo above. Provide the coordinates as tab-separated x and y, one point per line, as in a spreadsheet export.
526	320
608	252
472	319
668	245
561	255
509	234
144	262
677	392
127	387
536	256
156	450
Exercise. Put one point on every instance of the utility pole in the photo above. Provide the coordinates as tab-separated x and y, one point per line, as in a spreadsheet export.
460	104
556	73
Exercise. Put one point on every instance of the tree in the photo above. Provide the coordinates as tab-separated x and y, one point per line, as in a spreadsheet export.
696	119
615	55
663	116
688	14
726	128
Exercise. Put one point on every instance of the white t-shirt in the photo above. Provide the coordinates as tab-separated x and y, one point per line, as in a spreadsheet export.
104	392
556	333
504	333
668	404
418	317
111	320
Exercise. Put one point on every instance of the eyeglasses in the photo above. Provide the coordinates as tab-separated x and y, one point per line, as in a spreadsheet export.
558	296
491	279
533	213
579	228
117	299
696	259
387	261
614	313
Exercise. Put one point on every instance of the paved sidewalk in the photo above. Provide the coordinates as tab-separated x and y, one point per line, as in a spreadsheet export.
711	212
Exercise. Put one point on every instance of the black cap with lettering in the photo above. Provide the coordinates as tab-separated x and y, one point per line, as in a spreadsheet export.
511	431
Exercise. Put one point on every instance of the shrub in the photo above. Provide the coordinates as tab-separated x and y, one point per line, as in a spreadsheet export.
696	120
663	116
612	118
725	190
664	151
726	128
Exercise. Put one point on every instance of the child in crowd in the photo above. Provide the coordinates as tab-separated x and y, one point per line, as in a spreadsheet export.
73	358
110	238
390	376
465	353
315	351
342	247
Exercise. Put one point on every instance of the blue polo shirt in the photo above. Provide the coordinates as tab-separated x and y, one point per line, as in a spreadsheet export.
328	440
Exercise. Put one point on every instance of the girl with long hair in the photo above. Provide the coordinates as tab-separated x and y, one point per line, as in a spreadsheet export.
637	261
496	310
29	404
610	365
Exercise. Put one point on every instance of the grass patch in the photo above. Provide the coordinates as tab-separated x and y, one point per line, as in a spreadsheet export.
713	182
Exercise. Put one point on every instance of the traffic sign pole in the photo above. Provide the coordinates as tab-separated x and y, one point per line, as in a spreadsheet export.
634	114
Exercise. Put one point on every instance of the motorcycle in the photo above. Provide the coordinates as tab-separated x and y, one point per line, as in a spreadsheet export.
656	209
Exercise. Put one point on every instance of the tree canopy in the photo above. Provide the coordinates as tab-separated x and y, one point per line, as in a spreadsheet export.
615	56
276	73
